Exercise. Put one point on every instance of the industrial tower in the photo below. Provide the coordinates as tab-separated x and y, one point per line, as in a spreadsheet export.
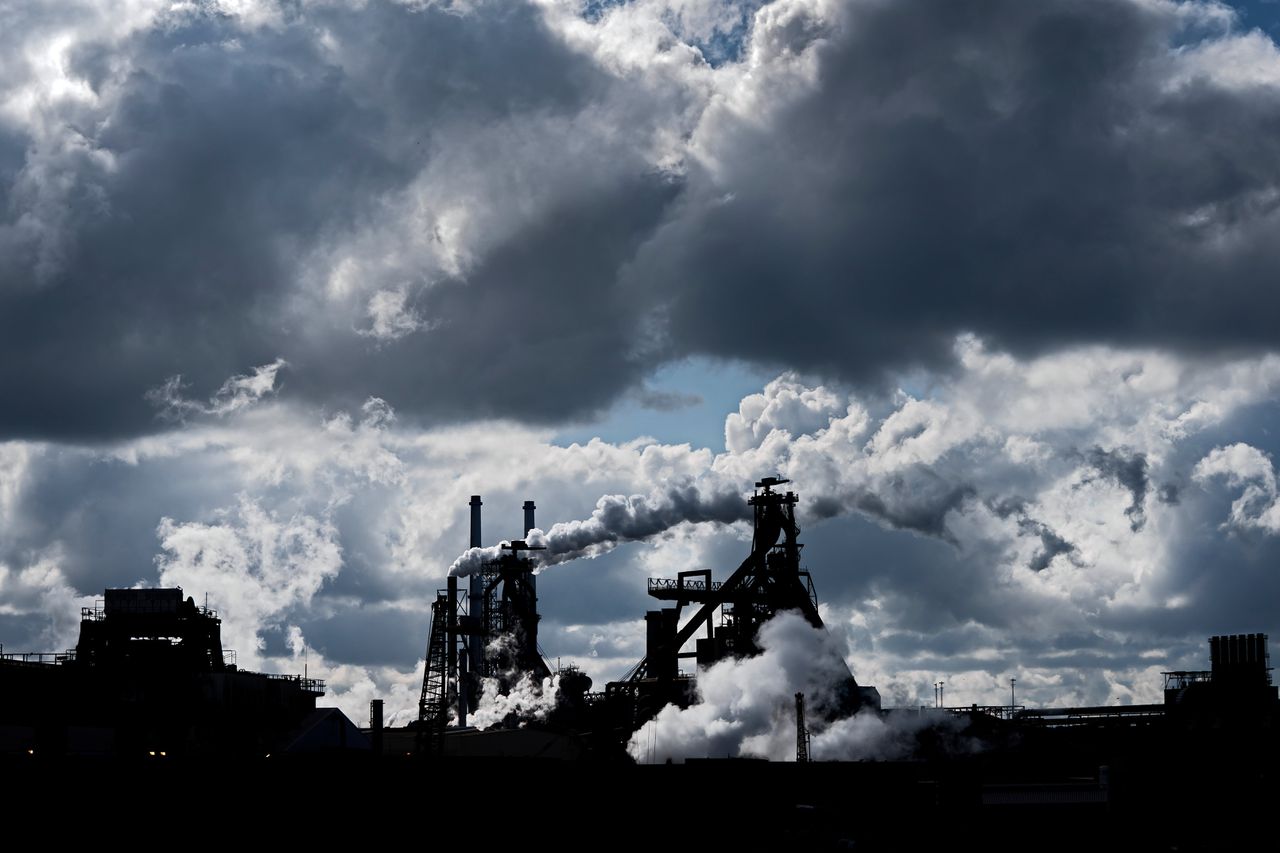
490	631
768	581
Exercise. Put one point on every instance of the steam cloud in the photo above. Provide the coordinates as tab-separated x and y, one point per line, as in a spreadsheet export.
746	708
527	699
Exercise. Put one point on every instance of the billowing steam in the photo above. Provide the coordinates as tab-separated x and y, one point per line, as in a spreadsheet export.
527	699
621	518
867	736
746	708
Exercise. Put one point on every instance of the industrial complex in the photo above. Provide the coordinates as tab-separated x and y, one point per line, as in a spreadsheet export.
149	680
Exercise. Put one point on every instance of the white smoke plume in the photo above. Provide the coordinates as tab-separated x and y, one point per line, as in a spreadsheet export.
527	699
867	736
621	518
746	707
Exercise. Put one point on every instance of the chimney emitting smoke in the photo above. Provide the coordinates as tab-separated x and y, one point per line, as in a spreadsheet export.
529	525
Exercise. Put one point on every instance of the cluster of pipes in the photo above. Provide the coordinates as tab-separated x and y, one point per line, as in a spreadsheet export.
474	637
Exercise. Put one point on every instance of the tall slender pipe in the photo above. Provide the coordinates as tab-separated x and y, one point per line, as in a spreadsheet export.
451	653
475	596
529	524
375	725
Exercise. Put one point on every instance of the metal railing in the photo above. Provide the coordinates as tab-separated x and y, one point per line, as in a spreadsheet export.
1179	680
98	612
1002	712
1080	715
308	685
38	657
687	584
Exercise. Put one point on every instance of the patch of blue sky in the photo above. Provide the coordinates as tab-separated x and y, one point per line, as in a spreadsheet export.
1263	15
723	44
685	401
594	10
1260	14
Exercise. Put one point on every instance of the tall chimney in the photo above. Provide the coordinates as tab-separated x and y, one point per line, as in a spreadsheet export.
476	503
529	525
375	725
475	603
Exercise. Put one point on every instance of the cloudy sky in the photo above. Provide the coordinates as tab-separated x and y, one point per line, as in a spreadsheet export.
283	282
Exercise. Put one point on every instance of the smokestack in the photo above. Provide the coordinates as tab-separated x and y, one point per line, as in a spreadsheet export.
476	503
529	525
475	603
375	725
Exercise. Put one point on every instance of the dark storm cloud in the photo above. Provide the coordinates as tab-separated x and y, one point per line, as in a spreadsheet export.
1023	170
1028	171
177	258
535	331
234	160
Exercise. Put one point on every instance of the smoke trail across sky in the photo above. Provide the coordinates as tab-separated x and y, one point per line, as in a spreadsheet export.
620	518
